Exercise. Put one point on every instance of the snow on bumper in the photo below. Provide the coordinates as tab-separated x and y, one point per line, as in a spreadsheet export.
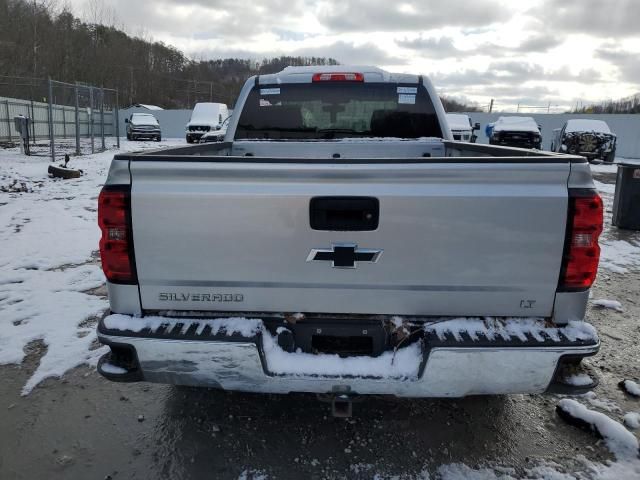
454	359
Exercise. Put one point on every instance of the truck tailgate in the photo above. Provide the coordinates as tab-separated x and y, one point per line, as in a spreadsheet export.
452	238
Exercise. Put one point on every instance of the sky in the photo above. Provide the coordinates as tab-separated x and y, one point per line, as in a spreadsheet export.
542	53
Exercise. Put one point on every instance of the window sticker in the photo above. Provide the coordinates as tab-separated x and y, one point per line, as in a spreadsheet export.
407	99
413	90
269	91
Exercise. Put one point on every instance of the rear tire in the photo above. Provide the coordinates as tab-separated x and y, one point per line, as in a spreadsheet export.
128	136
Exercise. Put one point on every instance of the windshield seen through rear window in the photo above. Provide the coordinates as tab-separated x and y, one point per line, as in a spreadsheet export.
334	110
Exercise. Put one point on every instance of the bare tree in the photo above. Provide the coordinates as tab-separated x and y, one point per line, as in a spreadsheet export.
92	50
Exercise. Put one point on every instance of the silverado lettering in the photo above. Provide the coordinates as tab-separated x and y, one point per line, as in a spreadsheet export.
200	297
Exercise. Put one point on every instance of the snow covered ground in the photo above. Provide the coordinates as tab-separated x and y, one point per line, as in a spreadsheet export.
50	292
48	260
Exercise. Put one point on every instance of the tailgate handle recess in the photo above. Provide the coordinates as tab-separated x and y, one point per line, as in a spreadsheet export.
344	214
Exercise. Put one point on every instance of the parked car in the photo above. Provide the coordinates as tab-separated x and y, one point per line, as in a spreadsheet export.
339	243
462	128
522	132
143	126
206	117
216	135
590	138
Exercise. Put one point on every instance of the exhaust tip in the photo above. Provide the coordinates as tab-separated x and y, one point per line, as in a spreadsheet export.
342	406
120	364
572	377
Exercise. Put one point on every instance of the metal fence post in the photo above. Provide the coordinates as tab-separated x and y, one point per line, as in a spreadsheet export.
6	103
117	120
77	120
33	123
93	148
53	148
102	117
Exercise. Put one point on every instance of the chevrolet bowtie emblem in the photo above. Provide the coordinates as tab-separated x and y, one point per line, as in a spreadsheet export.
344	255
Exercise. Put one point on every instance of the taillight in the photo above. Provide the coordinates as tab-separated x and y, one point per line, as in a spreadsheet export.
116	244
338	77
581	251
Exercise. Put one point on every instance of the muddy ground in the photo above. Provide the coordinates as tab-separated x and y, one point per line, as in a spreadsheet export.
84	427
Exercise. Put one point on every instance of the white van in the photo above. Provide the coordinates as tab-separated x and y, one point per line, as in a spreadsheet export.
206	117
461	127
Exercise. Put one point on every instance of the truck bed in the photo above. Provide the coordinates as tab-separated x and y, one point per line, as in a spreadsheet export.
348	150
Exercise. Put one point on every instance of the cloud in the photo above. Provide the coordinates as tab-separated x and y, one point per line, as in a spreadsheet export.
382	15
343	52
444	47
626	62
511	74
539	43
463	78
607	18
204	19
427	46
347	53
519	71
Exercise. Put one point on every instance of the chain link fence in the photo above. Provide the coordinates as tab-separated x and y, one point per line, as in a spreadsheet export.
65	118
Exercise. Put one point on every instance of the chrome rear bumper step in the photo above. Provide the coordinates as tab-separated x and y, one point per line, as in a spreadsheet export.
186	352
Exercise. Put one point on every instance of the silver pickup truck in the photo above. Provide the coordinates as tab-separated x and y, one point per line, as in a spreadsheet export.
339	242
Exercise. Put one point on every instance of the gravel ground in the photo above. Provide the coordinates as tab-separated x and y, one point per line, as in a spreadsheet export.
84	427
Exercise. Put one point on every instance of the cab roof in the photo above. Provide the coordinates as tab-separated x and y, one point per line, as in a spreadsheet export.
305	74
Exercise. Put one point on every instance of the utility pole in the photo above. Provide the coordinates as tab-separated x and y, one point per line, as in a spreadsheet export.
210	91
77	115
491	106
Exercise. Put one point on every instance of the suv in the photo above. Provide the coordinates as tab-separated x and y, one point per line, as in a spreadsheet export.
521	132
216	135
143	125
461	127
206	117
589	138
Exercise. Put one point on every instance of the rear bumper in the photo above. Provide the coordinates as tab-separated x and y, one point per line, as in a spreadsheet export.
445	367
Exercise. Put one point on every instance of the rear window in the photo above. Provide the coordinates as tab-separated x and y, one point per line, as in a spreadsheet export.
334	110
